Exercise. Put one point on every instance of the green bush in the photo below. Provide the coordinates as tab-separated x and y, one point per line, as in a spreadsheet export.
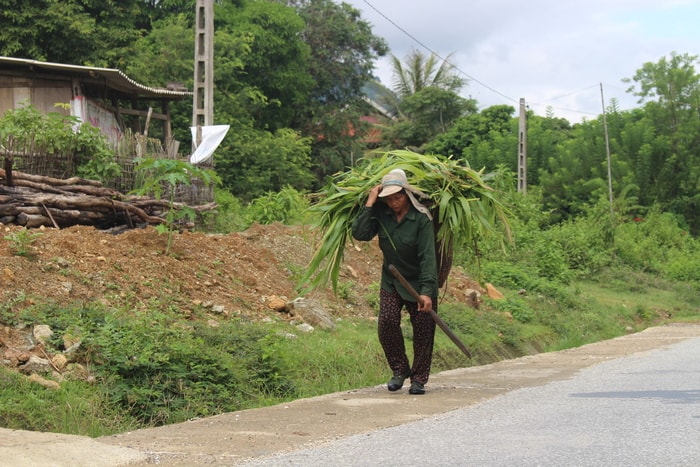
161	371
511	275
582	244
56	133
645	243
549	258
287	206
683	266
518	309
230	215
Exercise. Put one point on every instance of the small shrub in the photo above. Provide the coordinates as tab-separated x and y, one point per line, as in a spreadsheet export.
372	296
345	291
646	244
551	261
21	241
56	133
230	215
683	266
286	206
511	275
162	176
518	309
10	299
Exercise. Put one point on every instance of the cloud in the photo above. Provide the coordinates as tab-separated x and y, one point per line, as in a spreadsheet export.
554	54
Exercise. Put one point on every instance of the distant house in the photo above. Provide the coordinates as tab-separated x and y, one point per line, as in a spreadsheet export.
104	97
380	99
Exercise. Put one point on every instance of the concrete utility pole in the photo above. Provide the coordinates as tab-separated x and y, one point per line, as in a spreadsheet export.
522	150
203	100
607	152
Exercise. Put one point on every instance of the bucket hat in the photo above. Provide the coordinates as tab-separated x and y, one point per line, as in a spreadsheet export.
395	181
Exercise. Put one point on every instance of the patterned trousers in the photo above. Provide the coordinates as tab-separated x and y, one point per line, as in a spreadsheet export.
391	337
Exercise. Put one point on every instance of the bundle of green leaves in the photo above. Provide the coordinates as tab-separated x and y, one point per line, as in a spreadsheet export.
467	208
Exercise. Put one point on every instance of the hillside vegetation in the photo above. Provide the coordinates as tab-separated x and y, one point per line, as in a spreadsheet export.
164	338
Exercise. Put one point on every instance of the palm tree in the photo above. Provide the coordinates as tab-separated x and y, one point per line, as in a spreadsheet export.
424	100
421	71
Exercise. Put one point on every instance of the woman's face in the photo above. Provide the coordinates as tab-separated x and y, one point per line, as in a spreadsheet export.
398	202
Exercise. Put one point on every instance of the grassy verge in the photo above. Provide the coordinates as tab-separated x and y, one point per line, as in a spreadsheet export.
159	368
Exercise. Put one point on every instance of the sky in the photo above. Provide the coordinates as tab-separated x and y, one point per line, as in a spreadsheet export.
566	56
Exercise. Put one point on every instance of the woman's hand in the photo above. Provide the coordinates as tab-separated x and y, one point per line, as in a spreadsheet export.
425	303
373	195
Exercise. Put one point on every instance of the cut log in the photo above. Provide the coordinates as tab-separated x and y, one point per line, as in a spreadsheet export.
33	220
51	180
35	200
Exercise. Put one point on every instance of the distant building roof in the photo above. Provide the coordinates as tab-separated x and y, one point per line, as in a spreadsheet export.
378	96
110	77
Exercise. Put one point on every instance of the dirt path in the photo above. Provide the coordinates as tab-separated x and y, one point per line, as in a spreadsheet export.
234	437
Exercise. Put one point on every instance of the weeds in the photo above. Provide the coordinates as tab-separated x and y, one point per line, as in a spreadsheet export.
372	297
21	242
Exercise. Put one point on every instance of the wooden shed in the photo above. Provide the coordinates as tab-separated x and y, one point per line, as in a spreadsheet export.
104	97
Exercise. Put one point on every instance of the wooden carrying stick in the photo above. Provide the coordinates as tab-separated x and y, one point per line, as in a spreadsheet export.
434	315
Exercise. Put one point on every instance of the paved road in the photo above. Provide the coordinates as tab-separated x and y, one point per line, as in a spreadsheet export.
630	401
642	410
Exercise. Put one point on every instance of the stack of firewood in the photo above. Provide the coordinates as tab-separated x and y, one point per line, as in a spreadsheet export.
34	201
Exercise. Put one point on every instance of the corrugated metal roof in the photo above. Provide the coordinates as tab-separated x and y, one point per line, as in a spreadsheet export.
110	77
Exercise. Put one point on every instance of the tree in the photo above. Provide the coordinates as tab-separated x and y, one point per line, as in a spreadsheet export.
44	30
261	85
670	92
425	114
343	51
472	131
252	163
276	64
164	54
425	98
80	32
546	136
421	72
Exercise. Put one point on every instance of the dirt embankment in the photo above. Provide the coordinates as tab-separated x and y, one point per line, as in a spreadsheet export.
204	276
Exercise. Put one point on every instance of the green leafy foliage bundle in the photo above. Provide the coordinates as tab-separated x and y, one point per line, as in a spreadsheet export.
468	208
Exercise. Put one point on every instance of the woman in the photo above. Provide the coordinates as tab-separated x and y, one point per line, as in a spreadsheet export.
407	240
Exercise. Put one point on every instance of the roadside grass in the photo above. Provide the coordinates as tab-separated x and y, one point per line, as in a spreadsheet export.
644	295
323	361
76	408
156	367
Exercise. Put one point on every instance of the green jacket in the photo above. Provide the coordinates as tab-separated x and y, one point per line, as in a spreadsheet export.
408	245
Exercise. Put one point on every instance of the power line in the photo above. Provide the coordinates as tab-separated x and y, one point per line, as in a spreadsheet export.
423	45
436	54
581	90
572	93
